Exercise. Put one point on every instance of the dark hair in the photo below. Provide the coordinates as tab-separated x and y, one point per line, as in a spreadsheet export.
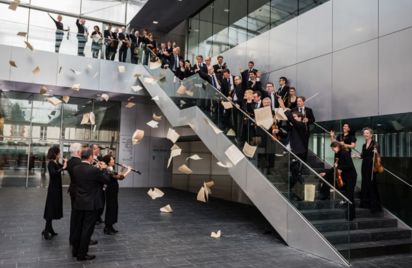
270	83
86	153
226	71
302	98
257	92
335	144
53	152
96	26
298	114
292	88
200	56
284	79
251	62
220	57
107	158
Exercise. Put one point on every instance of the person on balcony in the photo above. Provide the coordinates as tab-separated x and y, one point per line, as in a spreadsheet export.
97	42
82	34
59	32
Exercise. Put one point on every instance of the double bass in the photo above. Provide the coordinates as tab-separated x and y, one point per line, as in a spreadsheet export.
377	162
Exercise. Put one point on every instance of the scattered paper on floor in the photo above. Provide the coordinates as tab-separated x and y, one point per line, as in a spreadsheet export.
216	235
137	136
153	124
234	154
249	150
263	117
172	135
185	169
155	193
166	209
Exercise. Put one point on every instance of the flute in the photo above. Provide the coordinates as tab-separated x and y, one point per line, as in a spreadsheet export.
134	170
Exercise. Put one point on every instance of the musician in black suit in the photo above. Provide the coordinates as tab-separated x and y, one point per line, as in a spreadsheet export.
308	116
200	67
175	59
219	67
88	200
282	91
227	82
96	159
75	151
254	82
245	73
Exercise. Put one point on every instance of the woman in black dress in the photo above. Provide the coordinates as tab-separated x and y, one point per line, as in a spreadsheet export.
291	99
112	191
347	139
54	200
343	164
369	191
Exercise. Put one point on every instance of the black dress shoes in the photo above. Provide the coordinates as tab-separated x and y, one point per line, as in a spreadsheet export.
107	231
92	242
46	235
113	230
86	257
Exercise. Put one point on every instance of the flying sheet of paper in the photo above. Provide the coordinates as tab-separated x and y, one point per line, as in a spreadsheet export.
85	119
172	135
12	63
190	93
155	65
231	133
194	157
209	184
198	85
75	71
36	70
60	69
215	128
216	235
76	87
130	98
182	102
249	150
121	68
136	88
92	118
227	105
181	90
149	80
22	34
234	154
157	117
54	101
310	190
173	153
263	117
105	96
29	46
155	193
137	136
227	165
153	124
13	5
185	169
161	77
201	195
280	114
155	98
166	209
66	99
130	105
174	147
43	90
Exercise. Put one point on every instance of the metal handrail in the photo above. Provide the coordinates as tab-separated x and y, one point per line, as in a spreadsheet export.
385	169
267	132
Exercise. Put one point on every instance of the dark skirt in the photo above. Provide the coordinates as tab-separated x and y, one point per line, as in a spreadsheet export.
54	200
112	205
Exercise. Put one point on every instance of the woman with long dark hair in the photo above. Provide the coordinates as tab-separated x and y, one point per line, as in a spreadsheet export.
112	191
369	191
54	200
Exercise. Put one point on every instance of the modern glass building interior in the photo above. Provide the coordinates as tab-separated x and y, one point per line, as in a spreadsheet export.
350	59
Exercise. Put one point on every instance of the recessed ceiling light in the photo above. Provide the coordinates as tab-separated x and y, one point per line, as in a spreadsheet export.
155	22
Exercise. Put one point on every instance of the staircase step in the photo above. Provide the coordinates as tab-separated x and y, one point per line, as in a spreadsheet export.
366	235
375	248
317	204
357	224
337	213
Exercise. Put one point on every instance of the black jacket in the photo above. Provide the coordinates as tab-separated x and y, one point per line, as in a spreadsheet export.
245	76
89	186
308	114
73	161
299	135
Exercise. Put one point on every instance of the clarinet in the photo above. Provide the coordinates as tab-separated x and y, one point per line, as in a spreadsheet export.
132	169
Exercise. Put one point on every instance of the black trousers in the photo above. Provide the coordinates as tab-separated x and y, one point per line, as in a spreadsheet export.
83	230
100	211
112	205
122	54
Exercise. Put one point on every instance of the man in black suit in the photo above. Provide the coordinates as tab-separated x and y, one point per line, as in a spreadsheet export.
174	59
282	91
200	67
219	67
88	200
245	73
257	99
227	82
307	113
254	82
75	151
96	159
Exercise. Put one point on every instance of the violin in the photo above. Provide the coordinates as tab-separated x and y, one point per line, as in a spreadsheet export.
377	162
338	176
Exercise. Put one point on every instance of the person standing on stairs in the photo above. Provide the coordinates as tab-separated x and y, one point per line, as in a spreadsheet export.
343	165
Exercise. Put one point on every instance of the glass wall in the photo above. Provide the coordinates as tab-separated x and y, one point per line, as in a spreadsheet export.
30	125
224	24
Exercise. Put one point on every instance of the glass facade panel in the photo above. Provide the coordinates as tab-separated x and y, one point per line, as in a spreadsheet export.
30	125
206	31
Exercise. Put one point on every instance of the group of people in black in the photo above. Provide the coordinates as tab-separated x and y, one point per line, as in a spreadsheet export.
248	93
93	186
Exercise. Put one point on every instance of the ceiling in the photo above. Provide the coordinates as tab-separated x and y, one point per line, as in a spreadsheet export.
168	13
